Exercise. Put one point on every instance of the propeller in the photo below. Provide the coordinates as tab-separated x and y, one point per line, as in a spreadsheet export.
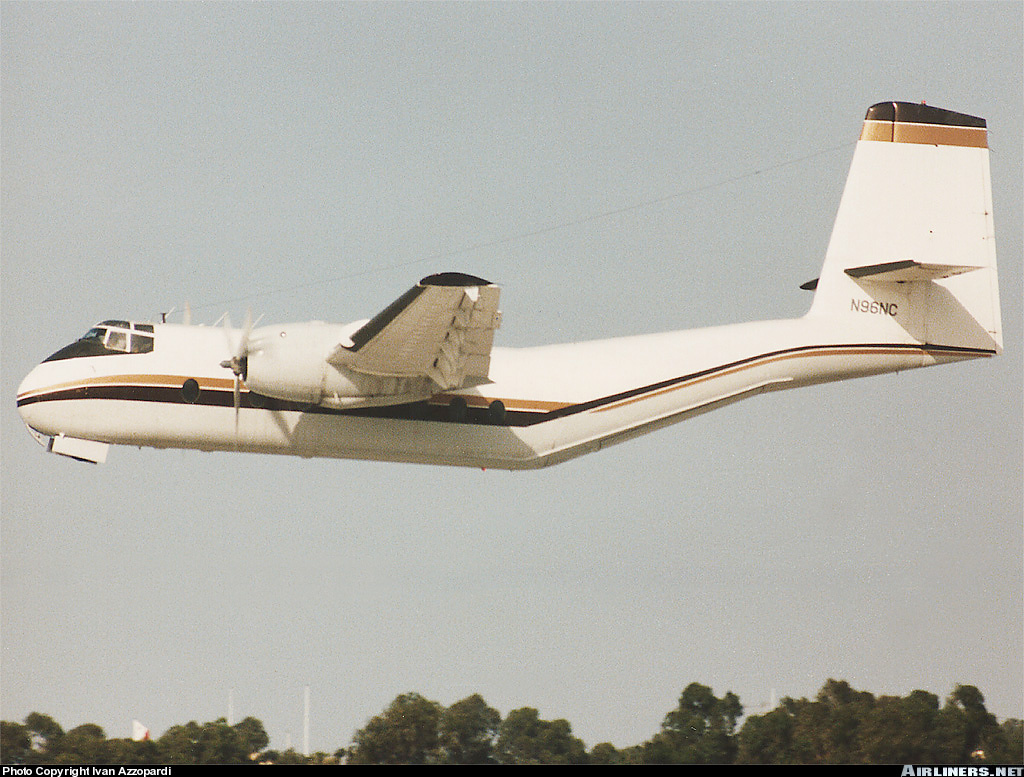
239	361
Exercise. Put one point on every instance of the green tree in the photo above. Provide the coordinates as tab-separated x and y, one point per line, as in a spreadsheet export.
901	730
15	742
291	757
85	744
845	709
1012	751
125	752
606	754
843	725
701	730
467	731
252	737
46	736
405	733
526	739
320	758
214	742
767	739
807	742
180	744
220	743
973	732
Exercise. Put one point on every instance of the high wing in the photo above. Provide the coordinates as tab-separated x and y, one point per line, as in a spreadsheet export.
442	328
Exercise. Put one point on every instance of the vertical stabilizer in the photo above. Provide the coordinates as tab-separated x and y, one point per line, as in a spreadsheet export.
912	257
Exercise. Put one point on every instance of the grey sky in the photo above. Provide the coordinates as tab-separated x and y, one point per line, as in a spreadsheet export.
315	160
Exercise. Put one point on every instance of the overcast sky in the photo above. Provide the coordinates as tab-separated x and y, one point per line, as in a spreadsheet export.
618	169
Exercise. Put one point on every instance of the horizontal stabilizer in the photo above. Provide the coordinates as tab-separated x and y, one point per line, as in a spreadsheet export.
907	270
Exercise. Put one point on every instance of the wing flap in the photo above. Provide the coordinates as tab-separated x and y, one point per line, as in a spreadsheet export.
442	328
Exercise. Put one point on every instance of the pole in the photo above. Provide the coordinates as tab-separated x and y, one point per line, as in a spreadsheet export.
305	725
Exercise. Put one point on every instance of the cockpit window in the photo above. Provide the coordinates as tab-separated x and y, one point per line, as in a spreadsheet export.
109	338
141	343
117	340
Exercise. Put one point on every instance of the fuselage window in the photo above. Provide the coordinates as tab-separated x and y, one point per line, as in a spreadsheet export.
190	391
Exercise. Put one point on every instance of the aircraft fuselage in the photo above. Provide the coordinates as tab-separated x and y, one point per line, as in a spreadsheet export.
543	405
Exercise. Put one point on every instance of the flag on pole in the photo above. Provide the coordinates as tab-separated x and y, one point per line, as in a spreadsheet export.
139	732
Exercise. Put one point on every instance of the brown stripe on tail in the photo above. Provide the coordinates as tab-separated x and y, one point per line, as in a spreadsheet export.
897	122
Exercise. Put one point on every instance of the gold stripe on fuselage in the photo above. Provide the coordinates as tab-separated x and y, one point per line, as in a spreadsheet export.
163	381
759	362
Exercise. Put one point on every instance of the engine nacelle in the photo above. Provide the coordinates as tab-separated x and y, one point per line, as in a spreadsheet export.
289	362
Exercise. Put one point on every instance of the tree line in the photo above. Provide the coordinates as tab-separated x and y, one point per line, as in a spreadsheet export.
840	725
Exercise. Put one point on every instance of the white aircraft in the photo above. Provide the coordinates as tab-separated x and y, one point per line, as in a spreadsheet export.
909	280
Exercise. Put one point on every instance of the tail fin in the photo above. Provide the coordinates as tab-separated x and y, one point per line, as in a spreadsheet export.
912	257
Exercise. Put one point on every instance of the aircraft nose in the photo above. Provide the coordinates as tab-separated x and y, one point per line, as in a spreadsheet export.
28	383
50	424
28	392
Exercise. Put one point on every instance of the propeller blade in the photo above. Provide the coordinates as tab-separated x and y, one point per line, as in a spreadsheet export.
238	362
240	353
229	362
238	403
243	345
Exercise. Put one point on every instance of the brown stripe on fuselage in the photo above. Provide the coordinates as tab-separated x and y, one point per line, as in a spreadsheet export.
133	380
860	350
521	412
526	405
